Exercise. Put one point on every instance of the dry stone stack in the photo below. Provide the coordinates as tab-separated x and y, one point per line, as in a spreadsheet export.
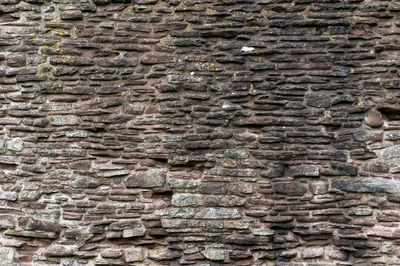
199	132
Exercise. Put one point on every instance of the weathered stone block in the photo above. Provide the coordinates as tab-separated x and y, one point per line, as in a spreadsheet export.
214	254
60	251
111	253
187	199
135	254
67	120
304	171
182	79
7	256
147	179
182	183
236	154
312	252
15	144
368	185
135	232
184	213
218	213
29	195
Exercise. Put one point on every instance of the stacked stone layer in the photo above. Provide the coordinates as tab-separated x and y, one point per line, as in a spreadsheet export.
199	132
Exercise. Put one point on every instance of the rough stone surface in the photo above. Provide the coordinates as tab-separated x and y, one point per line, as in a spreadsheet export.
7	256
147	179
199	132
135	254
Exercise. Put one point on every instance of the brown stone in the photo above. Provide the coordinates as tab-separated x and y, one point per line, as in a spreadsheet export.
373	118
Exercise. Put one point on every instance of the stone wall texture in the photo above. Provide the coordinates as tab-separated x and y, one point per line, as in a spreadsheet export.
199	132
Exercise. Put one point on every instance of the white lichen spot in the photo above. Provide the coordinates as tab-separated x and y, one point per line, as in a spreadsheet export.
247	49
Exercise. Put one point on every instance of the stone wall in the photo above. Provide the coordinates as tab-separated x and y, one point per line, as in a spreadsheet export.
199	132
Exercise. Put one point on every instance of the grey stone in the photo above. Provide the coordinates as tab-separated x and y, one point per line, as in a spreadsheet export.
236	154
59	251
135	232
8	195
15	145
134	109
216	254
263	232
29	195
182	183
175	138
368	185
2	146
147	179
340	169
32	234
368	135
219	213
7	256
173	223
391	154
184	213
111	253
304	171
361	212
220	88
135	254
321	100
186	199
77	134
66	120
84	182
312	252
182	79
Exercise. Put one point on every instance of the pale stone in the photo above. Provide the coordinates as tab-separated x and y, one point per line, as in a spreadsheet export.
135	254
147	179
59	251
312	252
67	120
127	233
263	232
2	146
304	171
183	183
77	134
7	256
111	253
182	79
219	213
216	254
184	213
187	199
361	212
15	145
8	195
236	154
29	195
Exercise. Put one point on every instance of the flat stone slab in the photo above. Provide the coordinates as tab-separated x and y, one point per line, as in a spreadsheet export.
368	185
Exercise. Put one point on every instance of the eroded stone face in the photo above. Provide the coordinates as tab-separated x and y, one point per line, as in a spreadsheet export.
147	179
7	256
